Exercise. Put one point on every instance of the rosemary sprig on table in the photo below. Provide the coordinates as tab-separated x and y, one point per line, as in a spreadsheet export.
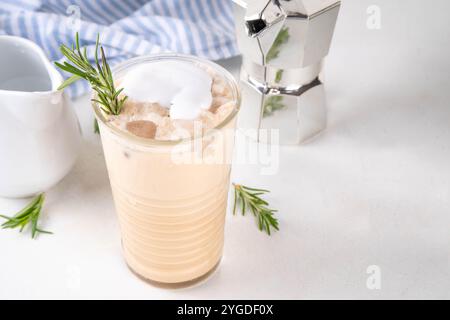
28	216
99	76
249	199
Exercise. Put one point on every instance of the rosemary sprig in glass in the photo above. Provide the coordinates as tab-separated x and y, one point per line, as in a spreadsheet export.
249	199
99	76
28	216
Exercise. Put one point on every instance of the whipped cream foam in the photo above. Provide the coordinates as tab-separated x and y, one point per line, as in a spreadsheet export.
184	89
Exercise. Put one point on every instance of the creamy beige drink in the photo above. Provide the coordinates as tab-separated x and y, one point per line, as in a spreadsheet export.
168	157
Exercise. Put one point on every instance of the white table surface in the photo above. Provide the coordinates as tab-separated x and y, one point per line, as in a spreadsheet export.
373	189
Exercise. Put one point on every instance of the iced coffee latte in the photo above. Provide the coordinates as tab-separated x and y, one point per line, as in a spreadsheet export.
168	155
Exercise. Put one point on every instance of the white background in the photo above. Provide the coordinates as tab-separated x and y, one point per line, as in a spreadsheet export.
373	189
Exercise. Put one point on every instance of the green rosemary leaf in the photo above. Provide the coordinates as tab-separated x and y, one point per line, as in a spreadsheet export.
103	98
243	203
69	81
97	43
122	101
235	201
96	101
85	54
116	95
33	224
70	69
43	231
77	41
254	189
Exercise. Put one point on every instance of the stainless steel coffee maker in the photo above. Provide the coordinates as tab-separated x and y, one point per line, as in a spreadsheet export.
284	43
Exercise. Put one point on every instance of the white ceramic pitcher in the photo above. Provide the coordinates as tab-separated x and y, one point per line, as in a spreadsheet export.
39	131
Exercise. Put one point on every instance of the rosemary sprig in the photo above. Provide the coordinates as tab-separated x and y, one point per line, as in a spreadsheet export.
99	76
249	199
28	216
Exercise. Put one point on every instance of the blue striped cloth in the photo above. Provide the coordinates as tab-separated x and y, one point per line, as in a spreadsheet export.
127	27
